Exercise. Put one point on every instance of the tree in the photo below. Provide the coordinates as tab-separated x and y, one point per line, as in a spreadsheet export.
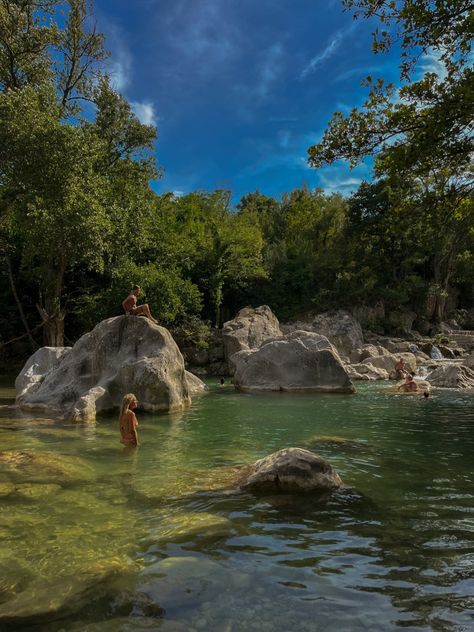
422	132
71	190
435	111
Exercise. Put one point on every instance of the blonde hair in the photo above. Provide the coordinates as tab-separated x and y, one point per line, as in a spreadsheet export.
126	401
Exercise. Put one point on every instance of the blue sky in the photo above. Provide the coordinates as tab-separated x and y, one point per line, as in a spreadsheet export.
239	89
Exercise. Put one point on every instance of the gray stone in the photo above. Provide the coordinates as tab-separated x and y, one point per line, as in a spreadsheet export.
37	367
301	361
452	376
195	385
248	330
120	355
387	362
292	470
341	329
363	371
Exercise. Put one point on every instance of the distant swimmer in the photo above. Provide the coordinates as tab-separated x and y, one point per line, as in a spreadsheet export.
131	308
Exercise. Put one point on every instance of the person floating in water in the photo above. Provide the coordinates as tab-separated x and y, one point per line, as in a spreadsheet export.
131	308
127	421
409	386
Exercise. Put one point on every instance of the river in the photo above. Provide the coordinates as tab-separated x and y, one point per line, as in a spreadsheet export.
97	537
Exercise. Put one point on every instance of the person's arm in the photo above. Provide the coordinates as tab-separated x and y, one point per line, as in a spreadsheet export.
133	427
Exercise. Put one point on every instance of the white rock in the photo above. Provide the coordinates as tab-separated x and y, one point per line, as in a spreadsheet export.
120	355
300	361
248	330
452	376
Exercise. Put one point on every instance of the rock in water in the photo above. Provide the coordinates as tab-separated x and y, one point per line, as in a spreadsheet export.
301	361
120	355
292	470
37	367
248	330
452	376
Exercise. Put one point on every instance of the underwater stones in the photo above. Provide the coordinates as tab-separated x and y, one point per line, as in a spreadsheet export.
185	582
300	362
292	470
194	526
45	466
120	355
45	601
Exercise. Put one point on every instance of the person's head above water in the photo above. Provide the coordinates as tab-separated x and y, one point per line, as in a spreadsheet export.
129	402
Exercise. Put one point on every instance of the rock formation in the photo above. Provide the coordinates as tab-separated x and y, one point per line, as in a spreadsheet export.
452	376
300	361
291	470
120	355
248	330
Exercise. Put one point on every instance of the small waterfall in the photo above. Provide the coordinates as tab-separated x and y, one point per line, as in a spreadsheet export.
435	353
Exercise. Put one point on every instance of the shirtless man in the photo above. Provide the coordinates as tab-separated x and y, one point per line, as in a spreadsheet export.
400	369
130	305
409	386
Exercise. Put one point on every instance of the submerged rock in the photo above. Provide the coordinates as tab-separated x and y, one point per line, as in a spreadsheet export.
292	470
120	355
44	467
301	361
52	600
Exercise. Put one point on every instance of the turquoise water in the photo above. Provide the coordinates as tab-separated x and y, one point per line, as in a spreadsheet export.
97	537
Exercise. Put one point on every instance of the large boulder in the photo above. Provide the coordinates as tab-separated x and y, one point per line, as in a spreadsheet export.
341	329
248	330
452	376
300	361
120	355
291	470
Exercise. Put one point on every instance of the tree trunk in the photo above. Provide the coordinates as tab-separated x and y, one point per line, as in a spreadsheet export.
19	306
53	327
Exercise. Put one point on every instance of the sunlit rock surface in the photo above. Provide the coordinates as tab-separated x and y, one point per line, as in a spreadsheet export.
452	376
292	470
248	330
301	361
120	355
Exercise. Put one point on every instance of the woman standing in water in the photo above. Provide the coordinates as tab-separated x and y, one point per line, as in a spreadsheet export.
127	421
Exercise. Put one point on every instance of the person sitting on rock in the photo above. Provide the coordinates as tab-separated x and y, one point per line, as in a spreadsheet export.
131	308
409	386
400	369
128	422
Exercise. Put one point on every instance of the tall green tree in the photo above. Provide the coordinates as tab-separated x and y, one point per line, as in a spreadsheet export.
71	190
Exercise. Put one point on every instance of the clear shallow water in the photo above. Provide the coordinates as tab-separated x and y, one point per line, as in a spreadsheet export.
97	537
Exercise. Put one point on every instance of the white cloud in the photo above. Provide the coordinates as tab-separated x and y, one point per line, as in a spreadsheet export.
431	62
144	111
120	70
327	52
